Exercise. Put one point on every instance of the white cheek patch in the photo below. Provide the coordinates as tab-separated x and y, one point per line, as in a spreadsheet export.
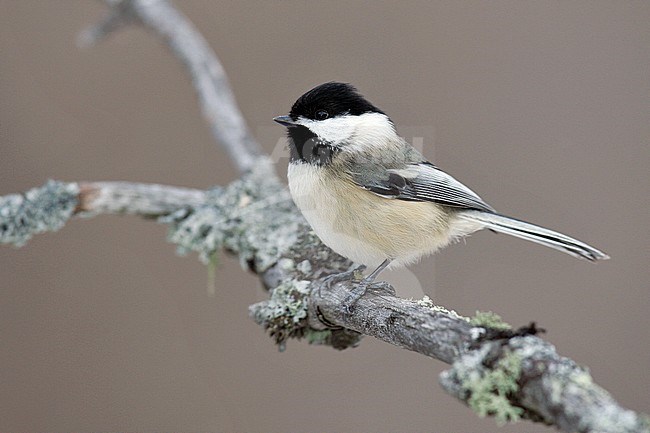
361	134
335	130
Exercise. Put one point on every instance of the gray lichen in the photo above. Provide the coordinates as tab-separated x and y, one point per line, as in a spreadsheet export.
253	217
562	386
284	315
487	389
428	303
39	210
546	387
304	267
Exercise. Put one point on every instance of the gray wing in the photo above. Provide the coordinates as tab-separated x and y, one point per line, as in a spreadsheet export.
421	182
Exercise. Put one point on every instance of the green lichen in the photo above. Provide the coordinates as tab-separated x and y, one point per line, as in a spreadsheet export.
488	319
284	315
39	210
338	338
318	337
488	392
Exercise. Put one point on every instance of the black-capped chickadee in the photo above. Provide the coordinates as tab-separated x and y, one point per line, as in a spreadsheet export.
373	198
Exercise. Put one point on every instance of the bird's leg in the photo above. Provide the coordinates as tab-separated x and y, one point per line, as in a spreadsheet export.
370	278
360	289
330	280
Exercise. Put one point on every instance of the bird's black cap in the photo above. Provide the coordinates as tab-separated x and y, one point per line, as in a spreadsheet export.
334	98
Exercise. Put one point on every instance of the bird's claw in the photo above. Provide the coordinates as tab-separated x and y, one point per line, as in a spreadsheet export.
354	295
330	280
365	284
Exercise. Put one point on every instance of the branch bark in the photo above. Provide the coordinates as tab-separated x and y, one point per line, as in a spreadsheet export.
495	371
128	198
546	387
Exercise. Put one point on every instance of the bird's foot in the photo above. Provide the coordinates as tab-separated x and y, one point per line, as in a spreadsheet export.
333	279
365	285
358	290
354	295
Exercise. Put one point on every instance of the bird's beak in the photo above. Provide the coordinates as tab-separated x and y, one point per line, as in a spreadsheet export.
285	121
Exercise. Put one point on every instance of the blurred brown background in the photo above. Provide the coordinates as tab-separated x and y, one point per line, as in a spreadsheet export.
542	107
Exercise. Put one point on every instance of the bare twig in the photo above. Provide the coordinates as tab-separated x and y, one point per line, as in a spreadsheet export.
116	18
216	99
147	200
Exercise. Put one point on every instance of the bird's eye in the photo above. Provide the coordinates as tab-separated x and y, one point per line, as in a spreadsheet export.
322	115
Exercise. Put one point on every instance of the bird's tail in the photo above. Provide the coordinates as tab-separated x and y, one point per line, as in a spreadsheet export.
537	234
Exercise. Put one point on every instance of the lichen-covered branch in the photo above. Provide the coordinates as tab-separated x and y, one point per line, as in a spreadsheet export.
538	384
495	371
49	207
254	218
38	210
216	98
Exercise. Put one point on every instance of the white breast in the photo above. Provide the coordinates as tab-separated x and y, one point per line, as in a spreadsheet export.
318	198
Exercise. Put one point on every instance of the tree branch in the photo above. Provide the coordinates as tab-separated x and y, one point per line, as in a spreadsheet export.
49	207
127	198
255	219
493	370
539	385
